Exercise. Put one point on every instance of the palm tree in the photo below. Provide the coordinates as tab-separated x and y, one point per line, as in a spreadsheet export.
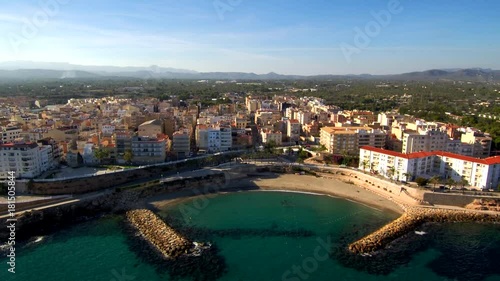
364	164
390	172
372	165
434	180
463	182
450	182
407	175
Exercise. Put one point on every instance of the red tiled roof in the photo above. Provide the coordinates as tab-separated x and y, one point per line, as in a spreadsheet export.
27	144
414	155
388	152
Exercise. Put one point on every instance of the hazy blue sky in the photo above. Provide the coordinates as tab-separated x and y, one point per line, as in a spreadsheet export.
284	36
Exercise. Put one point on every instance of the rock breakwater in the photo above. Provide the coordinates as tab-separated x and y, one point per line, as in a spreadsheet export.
161	236
411	219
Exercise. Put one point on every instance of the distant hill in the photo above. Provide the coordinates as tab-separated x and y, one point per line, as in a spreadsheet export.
469	74
15	65
24	70
41	74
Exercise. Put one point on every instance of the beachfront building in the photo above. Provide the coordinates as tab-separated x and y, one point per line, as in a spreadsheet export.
26	159
479	173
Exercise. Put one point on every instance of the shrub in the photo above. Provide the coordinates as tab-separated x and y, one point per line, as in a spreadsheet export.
421	181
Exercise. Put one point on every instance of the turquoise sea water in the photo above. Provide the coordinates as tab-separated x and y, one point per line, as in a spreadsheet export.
267	236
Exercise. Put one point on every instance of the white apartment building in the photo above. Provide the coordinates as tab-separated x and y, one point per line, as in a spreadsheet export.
26	159
427	141
226	138
479	173
481	144
304	117
10	133
291	113
293	130
213	139
473	145
269	136
88	155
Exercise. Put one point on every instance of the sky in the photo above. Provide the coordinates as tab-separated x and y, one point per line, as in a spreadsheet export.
284	36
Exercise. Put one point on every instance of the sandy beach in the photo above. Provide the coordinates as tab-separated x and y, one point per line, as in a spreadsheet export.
294	183
332	187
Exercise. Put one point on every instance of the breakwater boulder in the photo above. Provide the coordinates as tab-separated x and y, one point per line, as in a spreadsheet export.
485	204
169	251
410	220
162	237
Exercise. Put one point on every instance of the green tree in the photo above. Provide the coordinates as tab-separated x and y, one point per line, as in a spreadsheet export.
101	153
270	145
463	182
434	181
303	155
364	164
128	156
421	181
390	172
408	176
450	182
372	165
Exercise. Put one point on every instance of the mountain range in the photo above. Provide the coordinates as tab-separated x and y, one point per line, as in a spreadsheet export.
26	70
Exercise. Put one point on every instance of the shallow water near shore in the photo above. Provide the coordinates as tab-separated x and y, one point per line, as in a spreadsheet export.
268	236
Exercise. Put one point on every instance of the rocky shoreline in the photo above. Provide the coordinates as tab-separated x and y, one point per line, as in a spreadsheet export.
410	220
161	236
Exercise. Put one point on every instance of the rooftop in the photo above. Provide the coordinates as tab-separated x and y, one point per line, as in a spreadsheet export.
415	155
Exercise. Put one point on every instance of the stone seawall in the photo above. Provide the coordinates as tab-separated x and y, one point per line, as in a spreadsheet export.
161	236
411	219
114	201
103	181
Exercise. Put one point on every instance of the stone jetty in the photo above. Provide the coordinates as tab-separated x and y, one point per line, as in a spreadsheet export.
161	236
410	220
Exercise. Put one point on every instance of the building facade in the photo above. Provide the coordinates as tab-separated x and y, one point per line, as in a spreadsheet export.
150	128
181	144
149	150
347	140
269	136
479	173
26	159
